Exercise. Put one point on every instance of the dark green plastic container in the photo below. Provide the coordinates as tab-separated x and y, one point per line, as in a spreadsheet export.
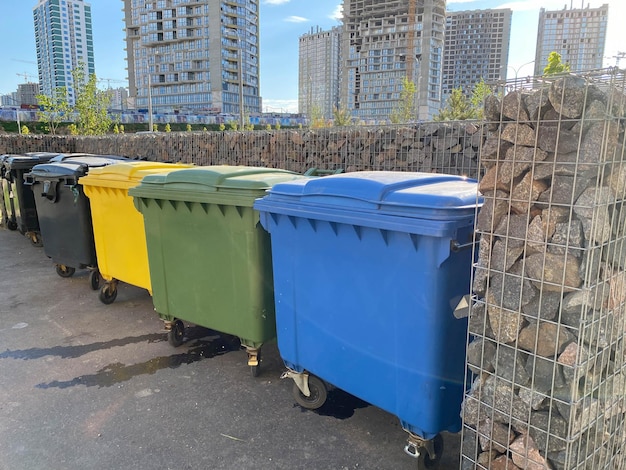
210	259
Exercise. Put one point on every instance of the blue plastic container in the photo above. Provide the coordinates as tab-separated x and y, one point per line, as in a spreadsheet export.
368	269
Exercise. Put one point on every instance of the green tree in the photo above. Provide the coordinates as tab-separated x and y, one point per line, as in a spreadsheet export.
555	66
479	93
342	116
54	109
316	117
458	108
90	104
405	110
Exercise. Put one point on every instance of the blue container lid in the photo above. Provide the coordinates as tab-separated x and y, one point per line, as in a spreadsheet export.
384	199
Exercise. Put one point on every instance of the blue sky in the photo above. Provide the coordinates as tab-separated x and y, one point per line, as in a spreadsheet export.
282	22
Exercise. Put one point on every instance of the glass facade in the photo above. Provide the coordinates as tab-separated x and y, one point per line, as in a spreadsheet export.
64	41
194	56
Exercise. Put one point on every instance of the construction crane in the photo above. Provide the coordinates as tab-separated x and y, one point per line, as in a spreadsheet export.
109	80
26	76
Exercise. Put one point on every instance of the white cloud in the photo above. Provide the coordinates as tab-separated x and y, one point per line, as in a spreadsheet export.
276	2
296	19
337	14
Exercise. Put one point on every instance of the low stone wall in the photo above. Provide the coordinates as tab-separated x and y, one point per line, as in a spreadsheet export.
431	147
547	323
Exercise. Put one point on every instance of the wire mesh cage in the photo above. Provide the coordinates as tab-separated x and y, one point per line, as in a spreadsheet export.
546	345
441	147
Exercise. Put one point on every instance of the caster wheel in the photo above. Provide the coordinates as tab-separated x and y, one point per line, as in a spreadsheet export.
317	397
108	294
94	279
35	239
65	271
12	225
176	334
425	462
256	370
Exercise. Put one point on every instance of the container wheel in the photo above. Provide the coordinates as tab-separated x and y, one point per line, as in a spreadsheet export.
176	334
35	239
256	370
425	462
94	279
317	397
108	293
65	271
11	225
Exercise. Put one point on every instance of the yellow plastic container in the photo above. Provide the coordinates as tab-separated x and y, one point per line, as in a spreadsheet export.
118	227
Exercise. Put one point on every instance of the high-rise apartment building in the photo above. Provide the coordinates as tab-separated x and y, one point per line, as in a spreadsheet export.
577	34
192	55
319	72
64	41
476	47
27	93
385	42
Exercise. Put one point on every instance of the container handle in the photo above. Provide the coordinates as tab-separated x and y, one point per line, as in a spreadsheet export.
50	191
456	246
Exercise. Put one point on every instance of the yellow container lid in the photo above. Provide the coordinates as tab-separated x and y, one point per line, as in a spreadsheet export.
128	174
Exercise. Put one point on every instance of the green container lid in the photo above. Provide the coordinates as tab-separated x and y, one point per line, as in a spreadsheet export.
222	184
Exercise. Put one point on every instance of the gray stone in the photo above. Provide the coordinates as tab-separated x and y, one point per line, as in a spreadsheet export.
495	207
592	208
568	237
492	150
504	323
565	190
510	365
494	436
513	107
544	306
536	103
513	228
533	397
500	398
617	180
599	143
536	238
525	193
587	298
492	180
553	272
511	291
504	255
519	134
596	111
567	96
526	455
564	164
480	355
554	139
544	339
492	108
478	323
518	160
548	430
502	462
546	374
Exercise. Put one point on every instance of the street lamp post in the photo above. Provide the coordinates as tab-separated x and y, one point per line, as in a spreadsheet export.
516	70
150	119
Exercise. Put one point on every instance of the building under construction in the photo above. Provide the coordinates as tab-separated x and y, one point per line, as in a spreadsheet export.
385	42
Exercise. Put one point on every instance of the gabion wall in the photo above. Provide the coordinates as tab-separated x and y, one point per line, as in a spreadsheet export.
546	346
450	147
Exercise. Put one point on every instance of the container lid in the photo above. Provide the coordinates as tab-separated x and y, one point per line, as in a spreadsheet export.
217	184
385	199
127	174
90	160
27	161
59	171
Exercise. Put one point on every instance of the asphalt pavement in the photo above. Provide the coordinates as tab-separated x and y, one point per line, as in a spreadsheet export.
85	385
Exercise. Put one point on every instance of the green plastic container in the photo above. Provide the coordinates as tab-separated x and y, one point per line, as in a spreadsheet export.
209	258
